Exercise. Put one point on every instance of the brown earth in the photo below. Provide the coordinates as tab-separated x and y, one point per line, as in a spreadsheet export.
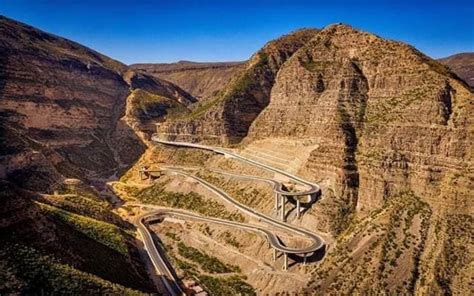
227	117
391	130
462	64
385	130
202	80
61	108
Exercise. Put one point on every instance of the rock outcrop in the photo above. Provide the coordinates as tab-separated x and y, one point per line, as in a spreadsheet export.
65	101
65	97
387	117
227	117
392	138
392	127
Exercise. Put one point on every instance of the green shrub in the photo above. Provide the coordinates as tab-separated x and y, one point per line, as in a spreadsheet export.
105	233
191	201
35	273
226	286
208	263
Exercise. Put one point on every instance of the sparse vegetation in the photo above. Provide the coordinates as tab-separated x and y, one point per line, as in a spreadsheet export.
25	269
146	105
456	254
392	243
208	263
82	205
226	286
191	201
248	196
105	233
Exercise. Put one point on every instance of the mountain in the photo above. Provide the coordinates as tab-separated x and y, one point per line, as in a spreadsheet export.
388	124
202	80
68	100
387	132
64	127
462	64
226	117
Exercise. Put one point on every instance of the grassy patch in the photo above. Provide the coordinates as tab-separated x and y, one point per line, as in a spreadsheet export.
192	201
202	108
226	286
28	271
208	263
105	233
82	205
146	105
247	196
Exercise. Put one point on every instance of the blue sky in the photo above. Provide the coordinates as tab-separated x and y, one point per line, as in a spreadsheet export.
168	31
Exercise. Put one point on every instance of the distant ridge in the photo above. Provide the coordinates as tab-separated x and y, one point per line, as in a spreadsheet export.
462	64
200	79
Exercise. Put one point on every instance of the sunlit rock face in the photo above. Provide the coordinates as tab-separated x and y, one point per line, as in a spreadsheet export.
226	118
387	118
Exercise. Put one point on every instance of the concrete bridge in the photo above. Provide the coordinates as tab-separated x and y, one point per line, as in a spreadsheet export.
282	196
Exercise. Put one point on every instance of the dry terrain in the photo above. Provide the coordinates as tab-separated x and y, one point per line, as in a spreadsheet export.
386	132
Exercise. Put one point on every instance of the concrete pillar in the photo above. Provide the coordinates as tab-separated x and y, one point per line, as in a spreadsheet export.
283	202
285	261
304	259
277	202
274	255
297	208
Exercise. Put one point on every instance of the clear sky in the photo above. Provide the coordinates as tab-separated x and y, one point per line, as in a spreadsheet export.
168	31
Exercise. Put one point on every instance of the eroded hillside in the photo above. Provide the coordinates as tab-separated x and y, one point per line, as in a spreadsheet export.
63	121
202	80
462	64
227	117
385	131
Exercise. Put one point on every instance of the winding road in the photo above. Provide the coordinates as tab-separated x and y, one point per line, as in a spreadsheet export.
169	278
314	188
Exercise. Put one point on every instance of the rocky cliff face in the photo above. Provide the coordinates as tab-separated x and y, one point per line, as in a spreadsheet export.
202	80
227	117
387	117
64	97
462	64
395	136
68	100
63	115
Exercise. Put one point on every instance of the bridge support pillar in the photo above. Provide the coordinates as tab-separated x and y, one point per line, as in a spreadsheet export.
304	259
285	261
282	202
277	202
274	255
298	208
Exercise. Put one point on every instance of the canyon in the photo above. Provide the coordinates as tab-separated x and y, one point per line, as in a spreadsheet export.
383	129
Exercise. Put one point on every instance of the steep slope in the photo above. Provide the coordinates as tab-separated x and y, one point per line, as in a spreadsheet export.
62	116
64	106
362	98
462	64
389	124
45	248
227	117
202	80
66	97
